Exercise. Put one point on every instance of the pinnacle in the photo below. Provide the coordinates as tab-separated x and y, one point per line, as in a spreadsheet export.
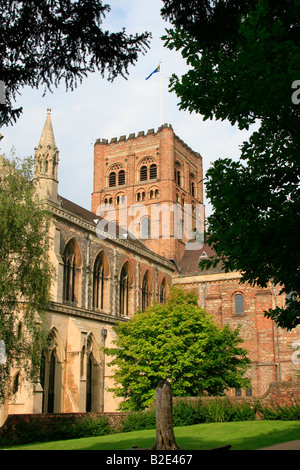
47	137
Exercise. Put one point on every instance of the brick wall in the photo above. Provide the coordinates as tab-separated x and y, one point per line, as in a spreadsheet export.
14	426
285	393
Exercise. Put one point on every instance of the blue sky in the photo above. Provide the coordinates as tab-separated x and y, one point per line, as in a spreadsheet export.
99	109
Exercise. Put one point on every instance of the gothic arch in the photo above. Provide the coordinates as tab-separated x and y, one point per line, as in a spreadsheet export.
163	291
93	375
126	290
53	358
147	290
72	272
101	282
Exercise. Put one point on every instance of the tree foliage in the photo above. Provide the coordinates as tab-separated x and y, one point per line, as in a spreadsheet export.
177	342
48	41
244	59
25	273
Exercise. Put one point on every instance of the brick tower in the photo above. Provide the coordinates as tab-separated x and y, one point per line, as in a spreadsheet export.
151	185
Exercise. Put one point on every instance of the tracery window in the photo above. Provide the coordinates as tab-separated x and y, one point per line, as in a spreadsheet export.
98	283
146	293
116	175
148	169
162	292
72	264
124	291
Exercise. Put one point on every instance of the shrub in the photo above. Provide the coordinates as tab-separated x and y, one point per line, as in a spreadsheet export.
32	430
138	420
283	413
91	426
214	411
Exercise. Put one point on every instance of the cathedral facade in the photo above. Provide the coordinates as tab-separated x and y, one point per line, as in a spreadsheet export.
136	242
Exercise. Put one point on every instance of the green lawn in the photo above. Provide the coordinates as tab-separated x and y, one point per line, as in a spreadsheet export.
246	435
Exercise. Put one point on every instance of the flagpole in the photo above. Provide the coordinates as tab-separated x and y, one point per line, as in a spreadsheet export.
161	102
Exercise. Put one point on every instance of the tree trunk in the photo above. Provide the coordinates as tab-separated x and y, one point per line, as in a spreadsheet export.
165	438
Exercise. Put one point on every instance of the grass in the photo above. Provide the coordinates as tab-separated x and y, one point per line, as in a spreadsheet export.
244	435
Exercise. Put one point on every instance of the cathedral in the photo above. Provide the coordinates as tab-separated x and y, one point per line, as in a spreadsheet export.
143	234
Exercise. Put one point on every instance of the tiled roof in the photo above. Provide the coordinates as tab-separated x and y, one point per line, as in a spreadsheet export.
193	254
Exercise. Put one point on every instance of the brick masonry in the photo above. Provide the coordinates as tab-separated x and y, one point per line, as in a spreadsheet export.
164	149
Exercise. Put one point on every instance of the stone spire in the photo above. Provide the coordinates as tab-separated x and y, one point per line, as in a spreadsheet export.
46	162
47	137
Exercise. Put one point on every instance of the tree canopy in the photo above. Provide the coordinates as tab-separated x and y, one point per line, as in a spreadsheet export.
45	42
178	342
244	67
25	272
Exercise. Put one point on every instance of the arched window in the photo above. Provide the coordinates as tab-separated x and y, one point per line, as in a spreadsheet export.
177	173
192	185
120	199
145	228
124	286
51	373
112	179
143	173
121	177
238	304
51	385
72	264
98	283
69	274
93	375
153	171
146	293
140	195
162	292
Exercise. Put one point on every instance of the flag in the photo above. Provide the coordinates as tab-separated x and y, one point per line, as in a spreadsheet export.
154	71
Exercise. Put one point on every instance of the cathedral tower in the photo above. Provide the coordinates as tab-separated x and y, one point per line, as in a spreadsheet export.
151	184
46	163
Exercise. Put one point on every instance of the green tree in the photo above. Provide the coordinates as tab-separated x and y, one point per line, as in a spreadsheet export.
178	342
244	59
25	273
45	42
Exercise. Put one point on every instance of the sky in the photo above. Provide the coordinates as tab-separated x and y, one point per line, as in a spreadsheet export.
101	109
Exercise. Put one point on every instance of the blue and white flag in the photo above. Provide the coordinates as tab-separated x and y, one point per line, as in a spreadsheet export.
154	71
